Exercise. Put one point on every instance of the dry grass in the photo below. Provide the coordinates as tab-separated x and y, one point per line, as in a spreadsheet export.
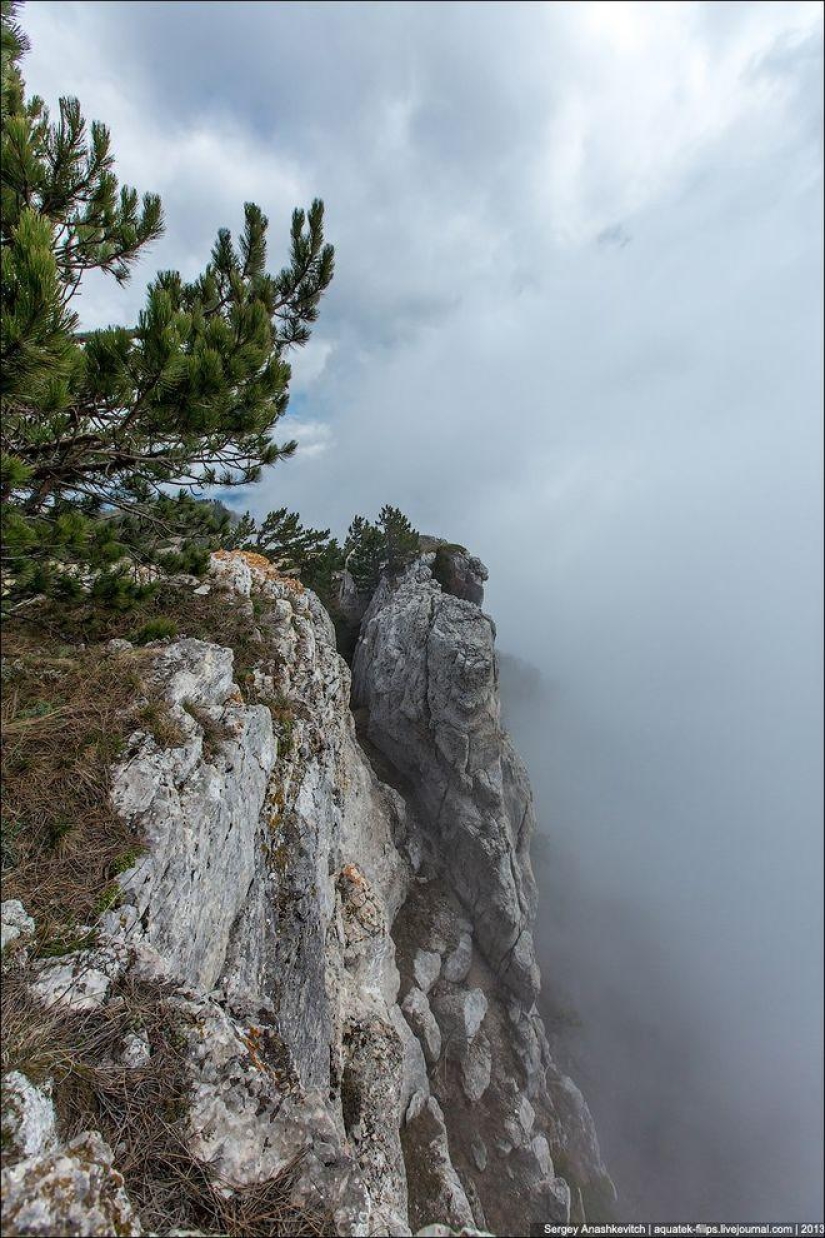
65	717
141	1112
215	733
68	706
168	611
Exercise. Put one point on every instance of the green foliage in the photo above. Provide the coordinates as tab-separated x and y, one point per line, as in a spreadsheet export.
96	426
156	629
364	552
284	540
310	554
319	573
371	550
109	898
235	534
127	860
401	540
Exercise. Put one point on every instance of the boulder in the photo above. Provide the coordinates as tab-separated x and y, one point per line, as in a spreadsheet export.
426	968
460	1013
421	1019
75	1190
476	1068
15	923
28	1122
457	962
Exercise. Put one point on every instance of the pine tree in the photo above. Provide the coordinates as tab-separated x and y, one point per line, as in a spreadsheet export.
401	541
320	573
364	554
100	424
284	539
236	533
372	550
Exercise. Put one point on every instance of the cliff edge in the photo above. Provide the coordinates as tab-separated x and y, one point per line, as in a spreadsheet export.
330	926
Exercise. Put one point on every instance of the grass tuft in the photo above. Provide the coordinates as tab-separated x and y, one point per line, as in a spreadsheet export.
61	836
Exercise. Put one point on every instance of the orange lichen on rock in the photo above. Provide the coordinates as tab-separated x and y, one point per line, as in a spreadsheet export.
353	874
262	566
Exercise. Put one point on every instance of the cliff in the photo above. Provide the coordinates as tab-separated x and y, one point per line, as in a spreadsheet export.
336	927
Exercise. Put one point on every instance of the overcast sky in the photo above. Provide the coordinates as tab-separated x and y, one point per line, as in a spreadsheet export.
576	324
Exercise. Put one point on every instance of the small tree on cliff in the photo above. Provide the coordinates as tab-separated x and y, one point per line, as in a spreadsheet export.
284	539
97	425
401	540
364	553
373	549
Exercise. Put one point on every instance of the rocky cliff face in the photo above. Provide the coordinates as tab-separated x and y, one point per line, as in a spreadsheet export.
343	927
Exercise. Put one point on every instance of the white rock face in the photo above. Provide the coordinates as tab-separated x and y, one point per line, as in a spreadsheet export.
28	1122
277	865
199	816
73	1191
14	923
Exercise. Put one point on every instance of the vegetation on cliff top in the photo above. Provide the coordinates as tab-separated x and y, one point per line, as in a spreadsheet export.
97	425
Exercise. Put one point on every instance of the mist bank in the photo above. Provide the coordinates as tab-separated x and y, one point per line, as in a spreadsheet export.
680	930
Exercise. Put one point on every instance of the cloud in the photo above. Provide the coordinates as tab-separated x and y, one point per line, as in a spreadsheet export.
615	236
313	437
633	446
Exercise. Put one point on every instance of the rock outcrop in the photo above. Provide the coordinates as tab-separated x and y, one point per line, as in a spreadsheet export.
425	670
342	925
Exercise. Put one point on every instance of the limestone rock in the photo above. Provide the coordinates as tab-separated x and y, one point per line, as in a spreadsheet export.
460	1013
232	573
425	669
526	1115
192	884
275	911
80	981
575	1131
426	969
136	1051
476	1068
15	923
422	1021
277	864
28	1122
434	1186
72	1191
414	1077
459	573
479	1151
444	1231
457	963
541	1151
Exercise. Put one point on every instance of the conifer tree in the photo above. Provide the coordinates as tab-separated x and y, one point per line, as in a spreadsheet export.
401	540
320	573
374	549
96	426
284	539
364	554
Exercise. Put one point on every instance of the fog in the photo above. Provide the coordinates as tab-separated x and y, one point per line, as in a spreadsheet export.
576	325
